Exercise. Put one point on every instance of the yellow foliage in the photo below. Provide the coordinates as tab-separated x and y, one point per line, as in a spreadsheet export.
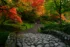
9	0
27	6
40	10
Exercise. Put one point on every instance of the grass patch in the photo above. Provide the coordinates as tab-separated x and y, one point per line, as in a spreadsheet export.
28	25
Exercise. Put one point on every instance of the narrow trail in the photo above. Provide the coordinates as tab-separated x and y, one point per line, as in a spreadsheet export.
33	29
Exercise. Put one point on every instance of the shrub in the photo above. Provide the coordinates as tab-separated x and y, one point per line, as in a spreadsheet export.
3	37
29	16
65	27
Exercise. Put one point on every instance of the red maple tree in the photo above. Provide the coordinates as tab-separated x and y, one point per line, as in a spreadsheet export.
37	3
10	13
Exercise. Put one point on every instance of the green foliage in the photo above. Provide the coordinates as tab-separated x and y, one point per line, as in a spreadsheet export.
10	26
50	6
44	17
54	5
65	6
54	26
2	2
28	25
29	16
3	36
7	28
20	9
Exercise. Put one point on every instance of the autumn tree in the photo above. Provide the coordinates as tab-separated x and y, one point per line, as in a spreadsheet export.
58	8
8	13
32	9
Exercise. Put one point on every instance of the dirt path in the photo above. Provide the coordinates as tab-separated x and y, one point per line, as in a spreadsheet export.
34	29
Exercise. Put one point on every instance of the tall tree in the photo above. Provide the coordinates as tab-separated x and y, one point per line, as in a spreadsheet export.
58	6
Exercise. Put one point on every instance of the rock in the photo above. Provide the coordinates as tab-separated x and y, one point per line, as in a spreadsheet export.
34	40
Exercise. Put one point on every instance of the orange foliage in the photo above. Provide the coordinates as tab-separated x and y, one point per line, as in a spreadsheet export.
10	13
40	10
33	3
26	1
62	17
37	3
13	15
13	10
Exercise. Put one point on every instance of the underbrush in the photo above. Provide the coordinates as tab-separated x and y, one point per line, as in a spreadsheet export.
65	27
3	37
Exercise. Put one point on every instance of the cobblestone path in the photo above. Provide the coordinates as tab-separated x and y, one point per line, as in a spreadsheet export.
31	38
35	40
